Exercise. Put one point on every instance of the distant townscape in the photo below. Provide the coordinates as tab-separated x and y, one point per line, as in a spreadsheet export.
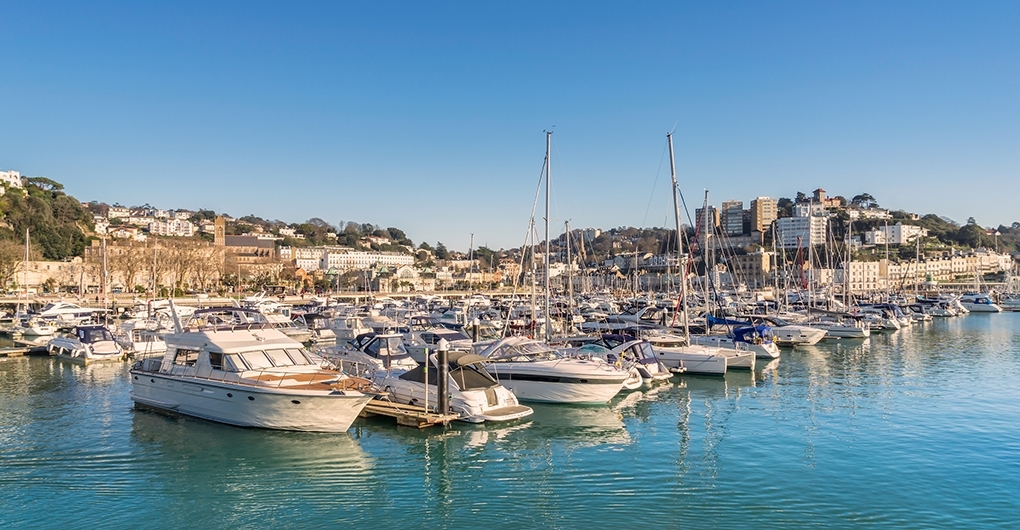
53	243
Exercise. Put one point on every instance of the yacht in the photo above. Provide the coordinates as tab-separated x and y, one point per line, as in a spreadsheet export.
475	395
86	345
679	356
370	353
788	334
534	371
979	303
141	338
66	314
230	366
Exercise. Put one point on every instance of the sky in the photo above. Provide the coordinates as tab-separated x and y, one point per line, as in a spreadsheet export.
431	116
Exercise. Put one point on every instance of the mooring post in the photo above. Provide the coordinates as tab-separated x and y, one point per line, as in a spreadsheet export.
442	356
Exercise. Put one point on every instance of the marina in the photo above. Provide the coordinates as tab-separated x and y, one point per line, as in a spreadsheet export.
914	428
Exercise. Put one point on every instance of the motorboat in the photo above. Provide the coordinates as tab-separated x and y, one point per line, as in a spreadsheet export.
348	327
788	334
66	314
740	334
678	355
418	342
475	395
33	327
319	326
86	345
535	371
230	366
371	352
640	356
979	303
141	338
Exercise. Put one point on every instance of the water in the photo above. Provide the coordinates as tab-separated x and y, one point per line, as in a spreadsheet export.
913	429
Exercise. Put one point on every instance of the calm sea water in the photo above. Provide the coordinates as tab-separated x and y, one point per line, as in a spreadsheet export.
915	429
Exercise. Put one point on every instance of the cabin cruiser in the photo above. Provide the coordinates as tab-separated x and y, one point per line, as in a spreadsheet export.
86	345
475	395
678	355
66	314
141	338
534	371
633	354
418	342
787	334
346	327
319	327
979	303
371	352
229	365
33	327
740	335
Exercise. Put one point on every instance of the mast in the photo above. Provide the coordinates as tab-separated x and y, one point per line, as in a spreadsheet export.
24	273
570	280
681	263
548	179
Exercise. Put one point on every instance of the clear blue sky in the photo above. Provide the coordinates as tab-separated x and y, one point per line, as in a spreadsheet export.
429	116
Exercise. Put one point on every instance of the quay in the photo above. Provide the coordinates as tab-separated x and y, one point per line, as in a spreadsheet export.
14	352
407	415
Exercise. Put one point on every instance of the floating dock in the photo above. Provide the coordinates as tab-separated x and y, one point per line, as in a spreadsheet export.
14	352
408	415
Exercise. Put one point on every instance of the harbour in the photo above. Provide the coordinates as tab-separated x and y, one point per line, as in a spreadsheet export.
914	428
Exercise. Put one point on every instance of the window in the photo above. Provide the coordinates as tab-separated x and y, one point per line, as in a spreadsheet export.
298	357
186	357
256	360
233	363
216	360
279	358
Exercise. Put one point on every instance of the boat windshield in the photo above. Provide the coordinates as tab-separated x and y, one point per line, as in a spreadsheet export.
94	335
524	352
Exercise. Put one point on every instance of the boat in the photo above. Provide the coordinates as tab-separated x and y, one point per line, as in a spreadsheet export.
371	352
230	366
979	303
534	371
319	327
787	334
475	395
348	327
33	327
419	342
680	356
66	314
141	338
86	345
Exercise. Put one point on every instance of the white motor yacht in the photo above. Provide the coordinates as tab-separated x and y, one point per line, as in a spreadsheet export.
228	365
474	393
369	353
535	371
86	345
674	352
979	303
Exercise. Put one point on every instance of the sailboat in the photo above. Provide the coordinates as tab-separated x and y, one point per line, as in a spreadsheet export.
30	325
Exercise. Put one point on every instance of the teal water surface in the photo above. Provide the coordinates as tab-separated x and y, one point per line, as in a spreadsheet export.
914	429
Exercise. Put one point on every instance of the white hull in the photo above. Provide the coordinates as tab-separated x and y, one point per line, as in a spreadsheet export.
797	335
695	360
248	406
982	308
565	392
765	350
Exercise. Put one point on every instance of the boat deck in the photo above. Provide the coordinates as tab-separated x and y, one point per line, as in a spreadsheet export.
408	415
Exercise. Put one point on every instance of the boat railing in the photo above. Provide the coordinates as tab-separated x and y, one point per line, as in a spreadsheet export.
257	378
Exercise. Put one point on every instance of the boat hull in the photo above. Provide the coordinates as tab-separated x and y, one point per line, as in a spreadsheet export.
248	406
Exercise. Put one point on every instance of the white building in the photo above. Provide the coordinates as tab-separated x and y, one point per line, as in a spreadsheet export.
898	234
12	179
172	227
794	232
812	209
117	212
342	258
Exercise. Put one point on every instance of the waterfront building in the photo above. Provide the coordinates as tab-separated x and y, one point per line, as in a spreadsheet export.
709	219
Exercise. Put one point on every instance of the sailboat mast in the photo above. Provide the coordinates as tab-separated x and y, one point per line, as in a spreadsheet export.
570	280
548	179
681	263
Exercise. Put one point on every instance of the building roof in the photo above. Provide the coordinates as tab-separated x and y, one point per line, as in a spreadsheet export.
248	241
